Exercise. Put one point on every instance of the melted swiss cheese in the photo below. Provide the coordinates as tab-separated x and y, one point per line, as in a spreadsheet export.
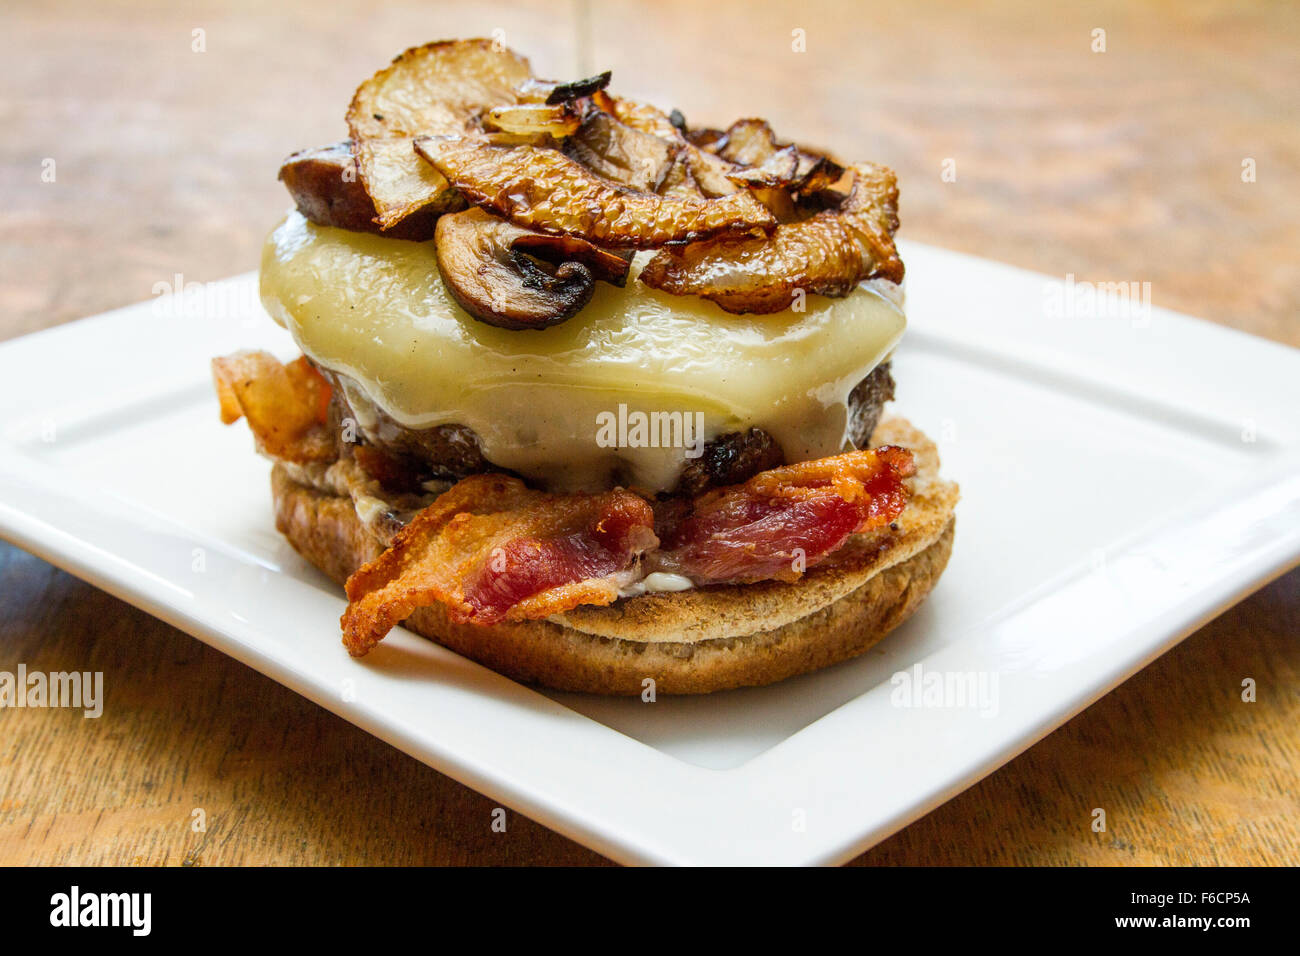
376	310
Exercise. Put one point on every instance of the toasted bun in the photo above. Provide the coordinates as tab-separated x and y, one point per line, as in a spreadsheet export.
689	642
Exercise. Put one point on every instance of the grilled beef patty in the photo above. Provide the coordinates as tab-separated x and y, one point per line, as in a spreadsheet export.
401	458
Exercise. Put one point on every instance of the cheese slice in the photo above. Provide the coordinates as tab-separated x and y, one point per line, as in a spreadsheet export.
625	391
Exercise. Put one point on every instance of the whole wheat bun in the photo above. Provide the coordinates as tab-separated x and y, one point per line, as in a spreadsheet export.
690	642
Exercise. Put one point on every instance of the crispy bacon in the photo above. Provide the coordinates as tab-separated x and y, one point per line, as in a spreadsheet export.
785	520
490	549
286	405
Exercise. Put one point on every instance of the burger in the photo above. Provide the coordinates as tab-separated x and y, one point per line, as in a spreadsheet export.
588	394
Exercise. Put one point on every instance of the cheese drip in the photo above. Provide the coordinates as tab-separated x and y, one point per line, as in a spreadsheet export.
547	403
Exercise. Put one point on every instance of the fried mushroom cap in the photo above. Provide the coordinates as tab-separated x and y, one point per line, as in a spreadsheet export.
518	278
327	189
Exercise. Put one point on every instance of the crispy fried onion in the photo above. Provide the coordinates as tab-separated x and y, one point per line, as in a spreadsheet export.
286	405
782	521
545	189
492	550
828	254
436	89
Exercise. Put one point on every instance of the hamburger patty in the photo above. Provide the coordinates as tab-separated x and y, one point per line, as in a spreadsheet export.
400	457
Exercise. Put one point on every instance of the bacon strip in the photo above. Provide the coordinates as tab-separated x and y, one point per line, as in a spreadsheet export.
785	520
490	549
286	405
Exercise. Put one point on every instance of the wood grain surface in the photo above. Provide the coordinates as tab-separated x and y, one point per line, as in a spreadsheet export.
1118	165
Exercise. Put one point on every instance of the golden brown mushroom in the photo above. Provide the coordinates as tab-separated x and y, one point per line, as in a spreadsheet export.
327	190
517	278
828	254
433	89
543	188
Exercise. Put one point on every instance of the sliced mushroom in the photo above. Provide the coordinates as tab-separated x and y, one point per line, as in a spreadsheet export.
783	205
517	278
678	181
828	254
545	189
706	138
432	90
719	163
761	161
620	153
638	145
701	162
748	142
697	169
711	174
777	170
751	144
816	173
638	115
326	188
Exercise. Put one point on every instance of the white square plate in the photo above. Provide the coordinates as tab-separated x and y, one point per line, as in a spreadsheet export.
1126	474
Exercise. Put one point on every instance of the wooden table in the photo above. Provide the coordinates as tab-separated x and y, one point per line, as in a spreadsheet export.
1117	165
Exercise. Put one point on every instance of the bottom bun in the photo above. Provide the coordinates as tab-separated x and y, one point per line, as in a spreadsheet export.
688	642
